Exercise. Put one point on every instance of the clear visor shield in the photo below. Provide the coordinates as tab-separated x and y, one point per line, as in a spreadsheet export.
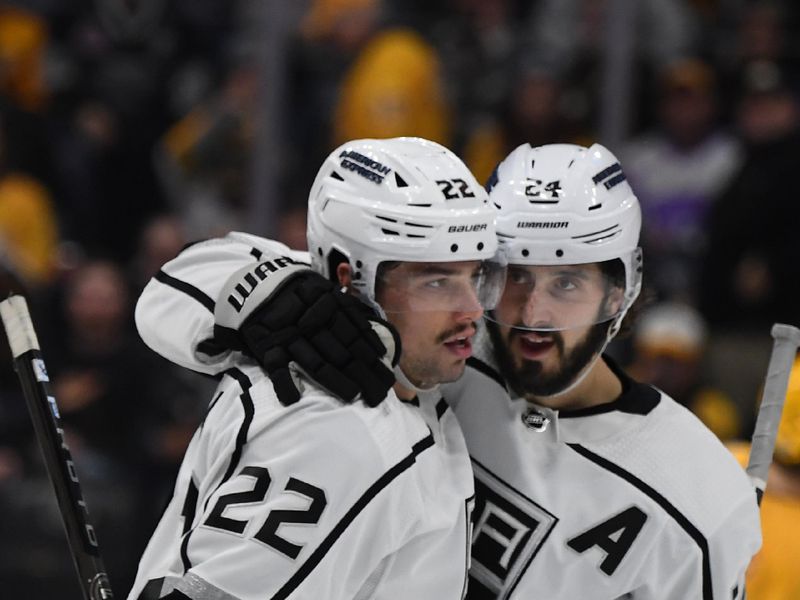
465	286
558	297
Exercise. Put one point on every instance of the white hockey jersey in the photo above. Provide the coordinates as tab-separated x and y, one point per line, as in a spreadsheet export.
633	499
315	500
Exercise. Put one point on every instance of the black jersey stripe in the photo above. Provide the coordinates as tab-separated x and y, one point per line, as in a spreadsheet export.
189	511
636	398
319	553
189	506
256	253
210	408
193	243
679	517
152	591
481	366
244	427
413	402
186	288
469	503
441	408
241	440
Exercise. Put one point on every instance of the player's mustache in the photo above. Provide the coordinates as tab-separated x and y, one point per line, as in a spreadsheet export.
455	331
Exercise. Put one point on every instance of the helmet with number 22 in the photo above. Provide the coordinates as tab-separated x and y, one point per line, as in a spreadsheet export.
401	199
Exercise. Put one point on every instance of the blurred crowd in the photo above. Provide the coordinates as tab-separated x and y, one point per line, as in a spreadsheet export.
129	128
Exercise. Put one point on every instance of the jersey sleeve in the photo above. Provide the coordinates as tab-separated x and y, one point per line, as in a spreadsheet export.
175	312
678	571
732	547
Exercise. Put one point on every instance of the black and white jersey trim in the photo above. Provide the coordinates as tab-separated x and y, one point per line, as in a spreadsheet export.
186	288
241	440
194	292
441	408
319	553
636	398
189	511
152	591
211	406
469	503
673	512
244	427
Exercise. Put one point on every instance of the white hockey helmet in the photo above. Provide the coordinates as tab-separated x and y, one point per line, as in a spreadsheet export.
401	199
562	205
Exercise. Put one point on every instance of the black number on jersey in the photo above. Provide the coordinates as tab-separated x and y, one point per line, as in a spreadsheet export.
627	524
449	193
218	521
268	531
310	516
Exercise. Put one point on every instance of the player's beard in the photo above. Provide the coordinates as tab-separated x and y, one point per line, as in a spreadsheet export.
528	378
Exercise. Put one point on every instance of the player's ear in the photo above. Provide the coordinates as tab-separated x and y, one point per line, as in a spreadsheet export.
614	301
344	274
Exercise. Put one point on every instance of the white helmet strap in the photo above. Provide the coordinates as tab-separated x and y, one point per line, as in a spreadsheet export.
405	382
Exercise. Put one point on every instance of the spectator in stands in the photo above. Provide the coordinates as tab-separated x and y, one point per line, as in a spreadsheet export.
393	86
749	271
478	42
569	38
669	346
128	415
535	112
678	168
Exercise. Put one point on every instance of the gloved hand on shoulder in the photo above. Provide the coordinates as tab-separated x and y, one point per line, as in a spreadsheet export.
292	314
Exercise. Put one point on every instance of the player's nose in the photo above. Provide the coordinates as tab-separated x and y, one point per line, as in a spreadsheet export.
537	308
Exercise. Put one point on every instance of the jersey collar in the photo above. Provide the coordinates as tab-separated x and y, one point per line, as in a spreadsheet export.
636	398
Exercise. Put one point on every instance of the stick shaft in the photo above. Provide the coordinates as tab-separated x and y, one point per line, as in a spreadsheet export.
784	349
43	409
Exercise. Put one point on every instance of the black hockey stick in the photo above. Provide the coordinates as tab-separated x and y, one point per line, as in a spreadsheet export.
47	424
786	339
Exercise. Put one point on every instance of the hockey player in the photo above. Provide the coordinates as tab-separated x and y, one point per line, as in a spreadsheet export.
588	484
321	499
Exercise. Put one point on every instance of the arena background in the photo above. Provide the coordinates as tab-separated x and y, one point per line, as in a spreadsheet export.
131	127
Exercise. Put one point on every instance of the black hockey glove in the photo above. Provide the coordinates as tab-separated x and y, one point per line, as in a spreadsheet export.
294	315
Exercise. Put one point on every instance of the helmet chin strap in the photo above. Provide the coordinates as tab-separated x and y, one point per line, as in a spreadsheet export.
401	377
403	380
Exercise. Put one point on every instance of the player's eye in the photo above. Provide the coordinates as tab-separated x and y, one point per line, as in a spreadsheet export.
566	284
520	277
437	284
